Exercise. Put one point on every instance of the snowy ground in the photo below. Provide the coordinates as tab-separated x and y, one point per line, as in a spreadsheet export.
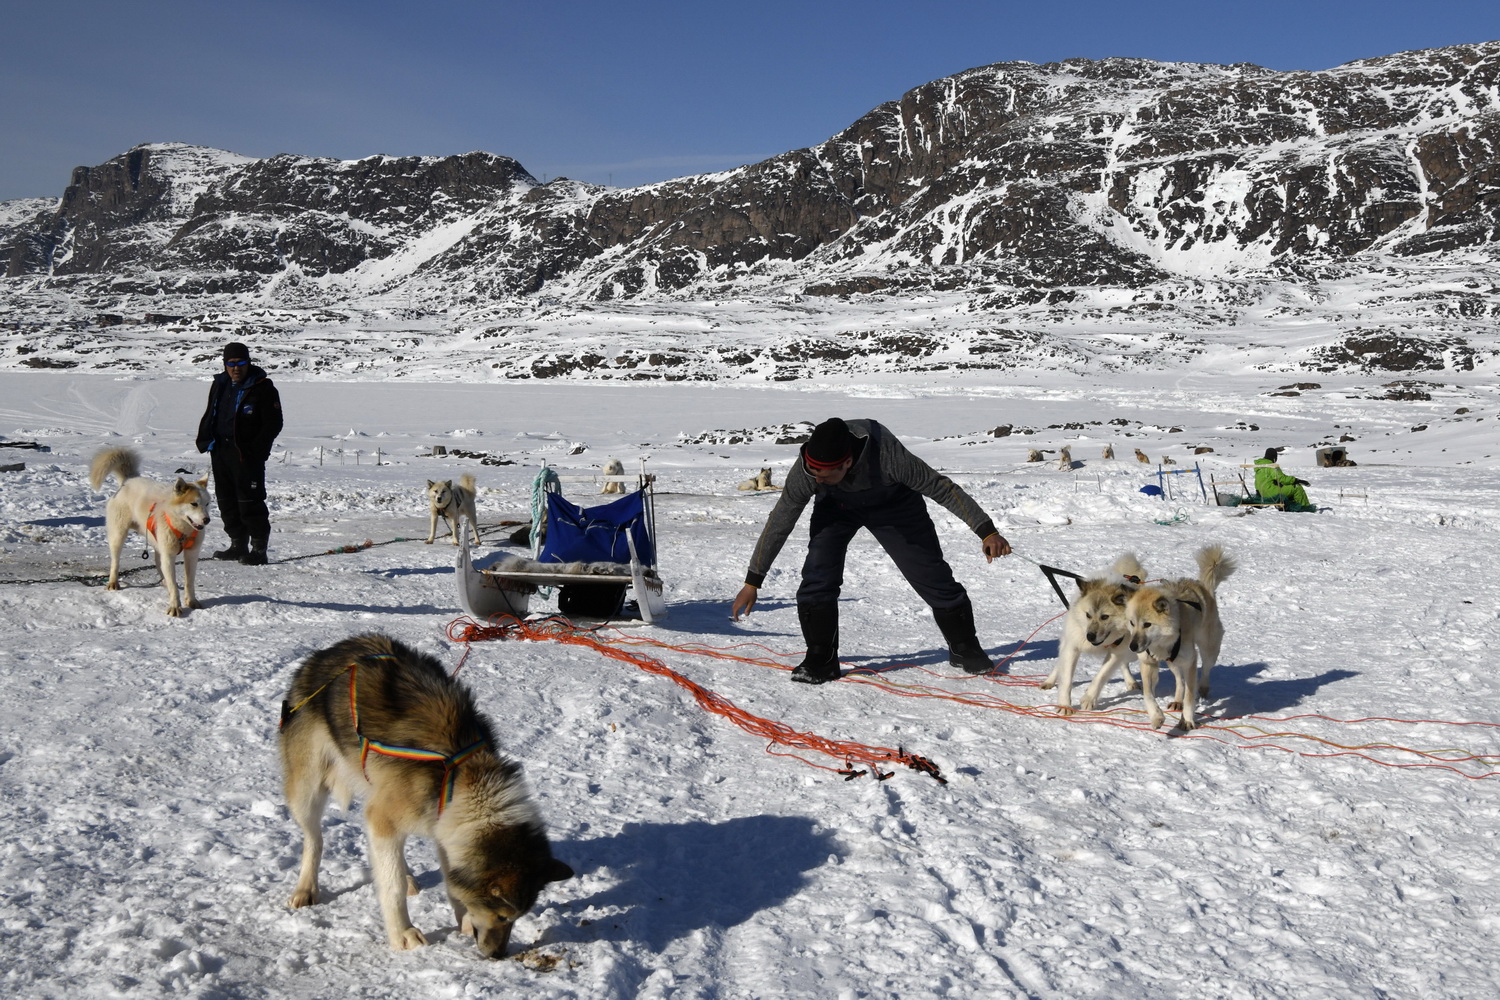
144	849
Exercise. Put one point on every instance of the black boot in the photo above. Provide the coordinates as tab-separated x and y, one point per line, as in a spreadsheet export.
820	628
257	554
964	651
236	551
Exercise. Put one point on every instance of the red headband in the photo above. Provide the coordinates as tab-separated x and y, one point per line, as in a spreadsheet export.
820	466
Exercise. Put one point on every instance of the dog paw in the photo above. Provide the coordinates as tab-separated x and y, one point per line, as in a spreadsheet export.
1064	710
303	897
195	604
1188	725
409	939
1048	684
1174	706
1157	720
174	611
112	585
1131	684
428	542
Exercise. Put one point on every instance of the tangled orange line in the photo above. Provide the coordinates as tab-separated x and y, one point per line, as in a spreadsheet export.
1241	732
777	734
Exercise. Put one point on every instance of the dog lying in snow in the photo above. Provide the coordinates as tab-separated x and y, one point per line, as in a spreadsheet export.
614	467
760	481
172	517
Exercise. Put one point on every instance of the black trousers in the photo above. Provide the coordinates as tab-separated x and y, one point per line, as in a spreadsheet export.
897	517
240	487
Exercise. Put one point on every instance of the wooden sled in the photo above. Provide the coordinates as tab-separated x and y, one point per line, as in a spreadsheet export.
484	593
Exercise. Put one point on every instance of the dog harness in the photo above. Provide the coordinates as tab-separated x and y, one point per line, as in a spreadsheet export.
151	528
450	761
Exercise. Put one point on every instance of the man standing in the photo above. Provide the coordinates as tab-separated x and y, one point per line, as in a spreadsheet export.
859	476
237	430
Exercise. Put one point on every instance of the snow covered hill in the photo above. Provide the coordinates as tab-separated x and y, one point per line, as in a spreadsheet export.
1084	215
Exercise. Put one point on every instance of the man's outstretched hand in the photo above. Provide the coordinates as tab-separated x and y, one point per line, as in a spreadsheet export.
744	602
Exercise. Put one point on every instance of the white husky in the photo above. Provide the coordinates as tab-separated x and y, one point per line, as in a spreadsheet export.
1096	625
452	503
172	517
1178	622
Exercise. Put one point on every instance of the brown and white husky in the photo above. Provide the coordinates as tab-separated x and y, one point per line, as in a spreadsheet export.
374	719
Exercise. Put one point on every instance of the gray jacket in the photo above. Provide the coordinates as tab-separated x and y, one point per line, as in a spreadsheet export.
880	460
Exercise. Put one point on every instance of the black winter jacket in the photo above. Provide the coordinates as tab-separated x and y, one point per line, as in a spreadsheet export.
257	421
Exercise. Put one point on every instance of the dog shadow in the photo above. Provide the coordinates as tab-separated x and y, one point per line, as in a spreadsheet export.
677	878
1235	693
62	522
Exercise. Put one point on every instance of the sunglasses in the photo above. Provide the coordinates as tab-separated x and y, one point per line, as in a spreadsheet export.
236	364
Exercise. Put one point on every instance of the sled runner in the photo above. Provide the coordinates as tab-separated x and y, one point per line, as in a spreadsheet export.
592	555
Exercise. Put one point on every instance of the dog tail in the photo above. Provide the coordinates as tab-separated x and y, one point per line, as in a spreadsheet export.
122	463
1129	567
1214	567
467	482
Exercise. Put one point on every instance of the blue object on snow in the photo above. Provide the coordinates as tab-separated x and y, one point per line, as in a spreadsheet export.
597	534
1151	490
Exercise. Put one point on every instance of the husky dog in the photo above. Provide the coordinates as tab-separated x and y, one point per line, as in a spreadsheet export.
172	517
1033	455
1065	459
760	481
449	502
614	467
1096	625
372	718
1109	451
1142	457
1178	622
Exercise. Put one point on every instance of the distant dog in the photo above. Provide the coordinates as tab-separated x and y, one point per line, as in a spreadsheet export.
1033	455
1096	625
1142	457
1065	460
614	467
1109	451
172	517
373	718
761	481
450	502
1179	622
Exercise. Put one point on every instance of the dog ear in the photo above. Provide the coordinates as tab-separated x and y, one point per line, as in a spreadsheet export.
1160	605
1084	586
202	482
183	486
1193	604
1119	599
430	484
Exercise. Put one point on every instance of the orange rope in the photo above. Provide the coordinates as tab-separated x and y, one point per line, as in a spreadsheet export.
1226	730
777	734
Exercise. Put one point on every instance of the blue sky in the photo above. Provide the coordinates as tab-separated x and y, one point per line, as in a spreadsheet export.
609	92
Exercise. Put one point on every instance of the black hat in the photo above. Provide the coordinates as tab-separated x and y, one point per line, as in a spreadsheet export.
831	443
236	350
1271	454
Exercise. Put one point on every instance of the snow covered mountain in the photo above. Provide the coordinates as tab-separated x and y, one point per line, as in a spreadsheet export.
1076	215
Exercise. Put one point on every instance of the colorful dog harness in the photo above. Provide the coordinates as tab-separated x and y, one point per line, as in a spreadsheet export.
450	761
151	529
